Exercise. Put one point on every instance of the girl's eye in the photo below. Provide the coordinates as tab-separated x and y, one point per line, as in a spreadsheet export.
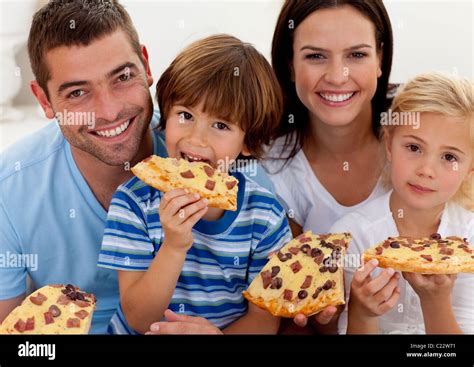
184	116
413	148
450	157
76	94
314	56
221	126
358	55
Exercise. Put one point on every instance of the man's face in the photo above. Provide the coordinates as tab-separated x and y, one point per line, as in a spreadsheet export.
106	82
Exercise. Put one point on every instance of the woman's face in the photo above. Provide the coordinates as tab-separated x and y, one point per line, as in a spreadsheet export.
336	65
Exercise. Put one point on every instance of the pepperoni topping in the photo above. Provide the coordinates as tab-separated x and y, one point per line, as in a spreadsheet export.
266	278
81	303
38	299
63	299
386	244
230	184
275	270
302	238
319	259
467	250
48	318
294	250
209	171
82	314
20	326
394	244
418	248
54	310
187	174
210	185
302	294
73	322
288	294
276	283
296	266
307	282
446	251
427	257
378	250
435	236
30	324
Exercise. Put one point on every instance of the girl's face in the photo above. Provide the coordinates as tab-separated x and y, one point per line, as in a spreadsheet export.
196	136
336	64
429	164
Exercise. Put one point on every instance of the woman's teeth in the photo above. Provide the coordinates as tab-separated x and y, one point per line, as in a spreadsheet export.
336	97
114	132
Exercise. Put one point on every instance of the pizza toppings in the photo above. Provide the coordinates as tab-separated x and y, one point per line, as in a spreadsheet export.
266	278
48	318
73	322
20	326
305	248
288	294
307	282
30	323
446	251
210	185
379	250
276	283
187	174
54	310
302	294
209	170
275	270
82	314
294	250
427	257
418	248
283	257
328	285
230	184
38	299
296	266
394	244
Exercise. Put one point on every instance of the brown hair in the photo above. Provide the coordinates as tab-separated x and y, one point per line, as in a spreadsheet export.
234	81
74	22
296	11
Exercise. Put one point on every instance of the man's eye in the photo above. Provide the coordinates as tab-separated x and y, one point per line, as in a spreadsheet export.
221	126
76	93
450	157
413	148
125	77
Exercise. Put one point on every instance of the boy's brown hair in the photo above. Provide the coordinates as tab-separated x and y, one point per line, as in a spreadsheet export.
74	22
234	82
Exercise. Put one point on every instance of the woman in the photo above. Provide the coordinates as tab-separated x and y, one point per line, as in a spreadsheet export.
333	61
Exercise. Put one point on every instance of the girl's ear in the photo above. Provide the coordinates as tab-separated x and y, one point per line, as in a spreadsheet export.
387	140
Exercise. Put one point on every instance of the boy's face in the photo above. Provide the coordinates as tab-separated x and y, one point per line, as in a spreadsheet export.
197	136
107	81
429	164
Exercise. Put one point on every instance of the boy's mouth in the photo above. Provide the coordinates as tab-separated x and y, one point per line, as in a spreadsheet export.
191	157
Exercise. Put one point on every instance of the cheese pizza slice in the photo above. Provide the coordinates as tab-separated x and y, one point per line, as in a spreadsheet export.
304	276
53	309
166	174
433	255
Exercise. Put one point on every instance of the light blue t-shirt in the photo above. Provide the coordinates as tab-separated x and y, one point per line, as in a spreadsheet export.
51	224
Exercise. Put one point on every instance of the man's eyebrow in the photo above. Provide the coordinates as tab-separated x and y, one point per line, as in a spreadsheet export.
129	65
355	47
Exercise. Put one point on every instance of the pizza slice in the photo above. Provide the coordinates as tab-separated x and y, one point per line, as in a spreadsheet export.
53	309
304	276
433	255
166	174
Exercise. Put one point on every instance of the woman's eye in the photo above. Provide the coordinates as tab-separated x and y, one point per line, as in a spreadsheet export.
358	55
450	157
221	126
315	57
184	116
76	93
413	148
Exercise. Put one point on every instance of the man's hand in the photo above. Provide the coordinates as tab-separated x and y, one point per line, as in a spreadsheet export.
324	317
182	324
179	212
431	286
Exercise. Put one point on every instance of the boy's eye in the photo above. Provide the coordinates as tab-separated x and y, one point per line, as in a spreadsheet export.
450	157
413	148
76	93
184	116
221	126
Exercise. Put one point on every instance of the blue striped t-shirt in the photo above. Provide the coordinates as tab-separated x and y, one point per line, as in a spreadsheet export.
225	257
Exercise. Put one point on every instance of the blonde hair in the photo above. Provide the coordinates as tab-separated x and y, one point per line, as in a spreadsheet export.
445	95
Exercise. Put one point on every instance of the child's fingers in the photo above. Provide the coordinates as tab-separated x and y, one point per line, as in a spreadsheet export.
178	317
388	305
179	202
170	195
364	272
193	219
379	282
384	294
187	212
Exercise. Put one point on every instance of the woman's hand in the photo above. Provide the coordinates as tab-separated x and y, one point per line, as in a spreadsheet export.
431	286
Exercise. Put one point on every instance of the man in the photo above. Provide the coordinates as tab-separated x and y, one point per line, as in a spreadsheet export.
56	185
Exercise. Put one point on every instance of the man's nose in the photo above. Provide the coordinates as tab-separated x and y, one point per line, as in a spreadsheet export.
107	106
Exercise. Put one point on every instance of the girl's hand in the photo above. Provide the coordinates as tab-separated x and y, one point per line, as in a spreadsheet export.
179	212
431	286
372	297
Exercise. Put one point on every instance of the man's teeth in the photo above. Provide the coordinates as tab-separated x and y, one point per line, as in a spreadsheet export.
114	132
336	97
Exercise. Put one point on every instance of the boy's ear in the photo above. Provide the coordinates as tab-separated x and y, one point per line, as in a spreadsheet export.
387	140
40	95
245	151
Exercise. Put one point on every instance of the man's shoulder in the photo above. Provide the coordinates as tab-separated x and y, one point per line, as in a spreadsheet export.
32	150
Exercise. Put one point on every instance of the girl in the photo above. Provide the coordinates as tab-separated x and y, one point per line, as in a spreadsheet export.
431	172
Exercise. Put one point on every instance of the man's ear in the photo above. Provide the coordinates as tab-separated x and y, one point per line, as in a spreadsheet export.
42	98
149	77
387	140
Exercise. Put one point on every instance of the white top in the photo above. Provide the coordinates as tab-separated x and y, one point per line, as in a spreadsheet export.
305	199
373	223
